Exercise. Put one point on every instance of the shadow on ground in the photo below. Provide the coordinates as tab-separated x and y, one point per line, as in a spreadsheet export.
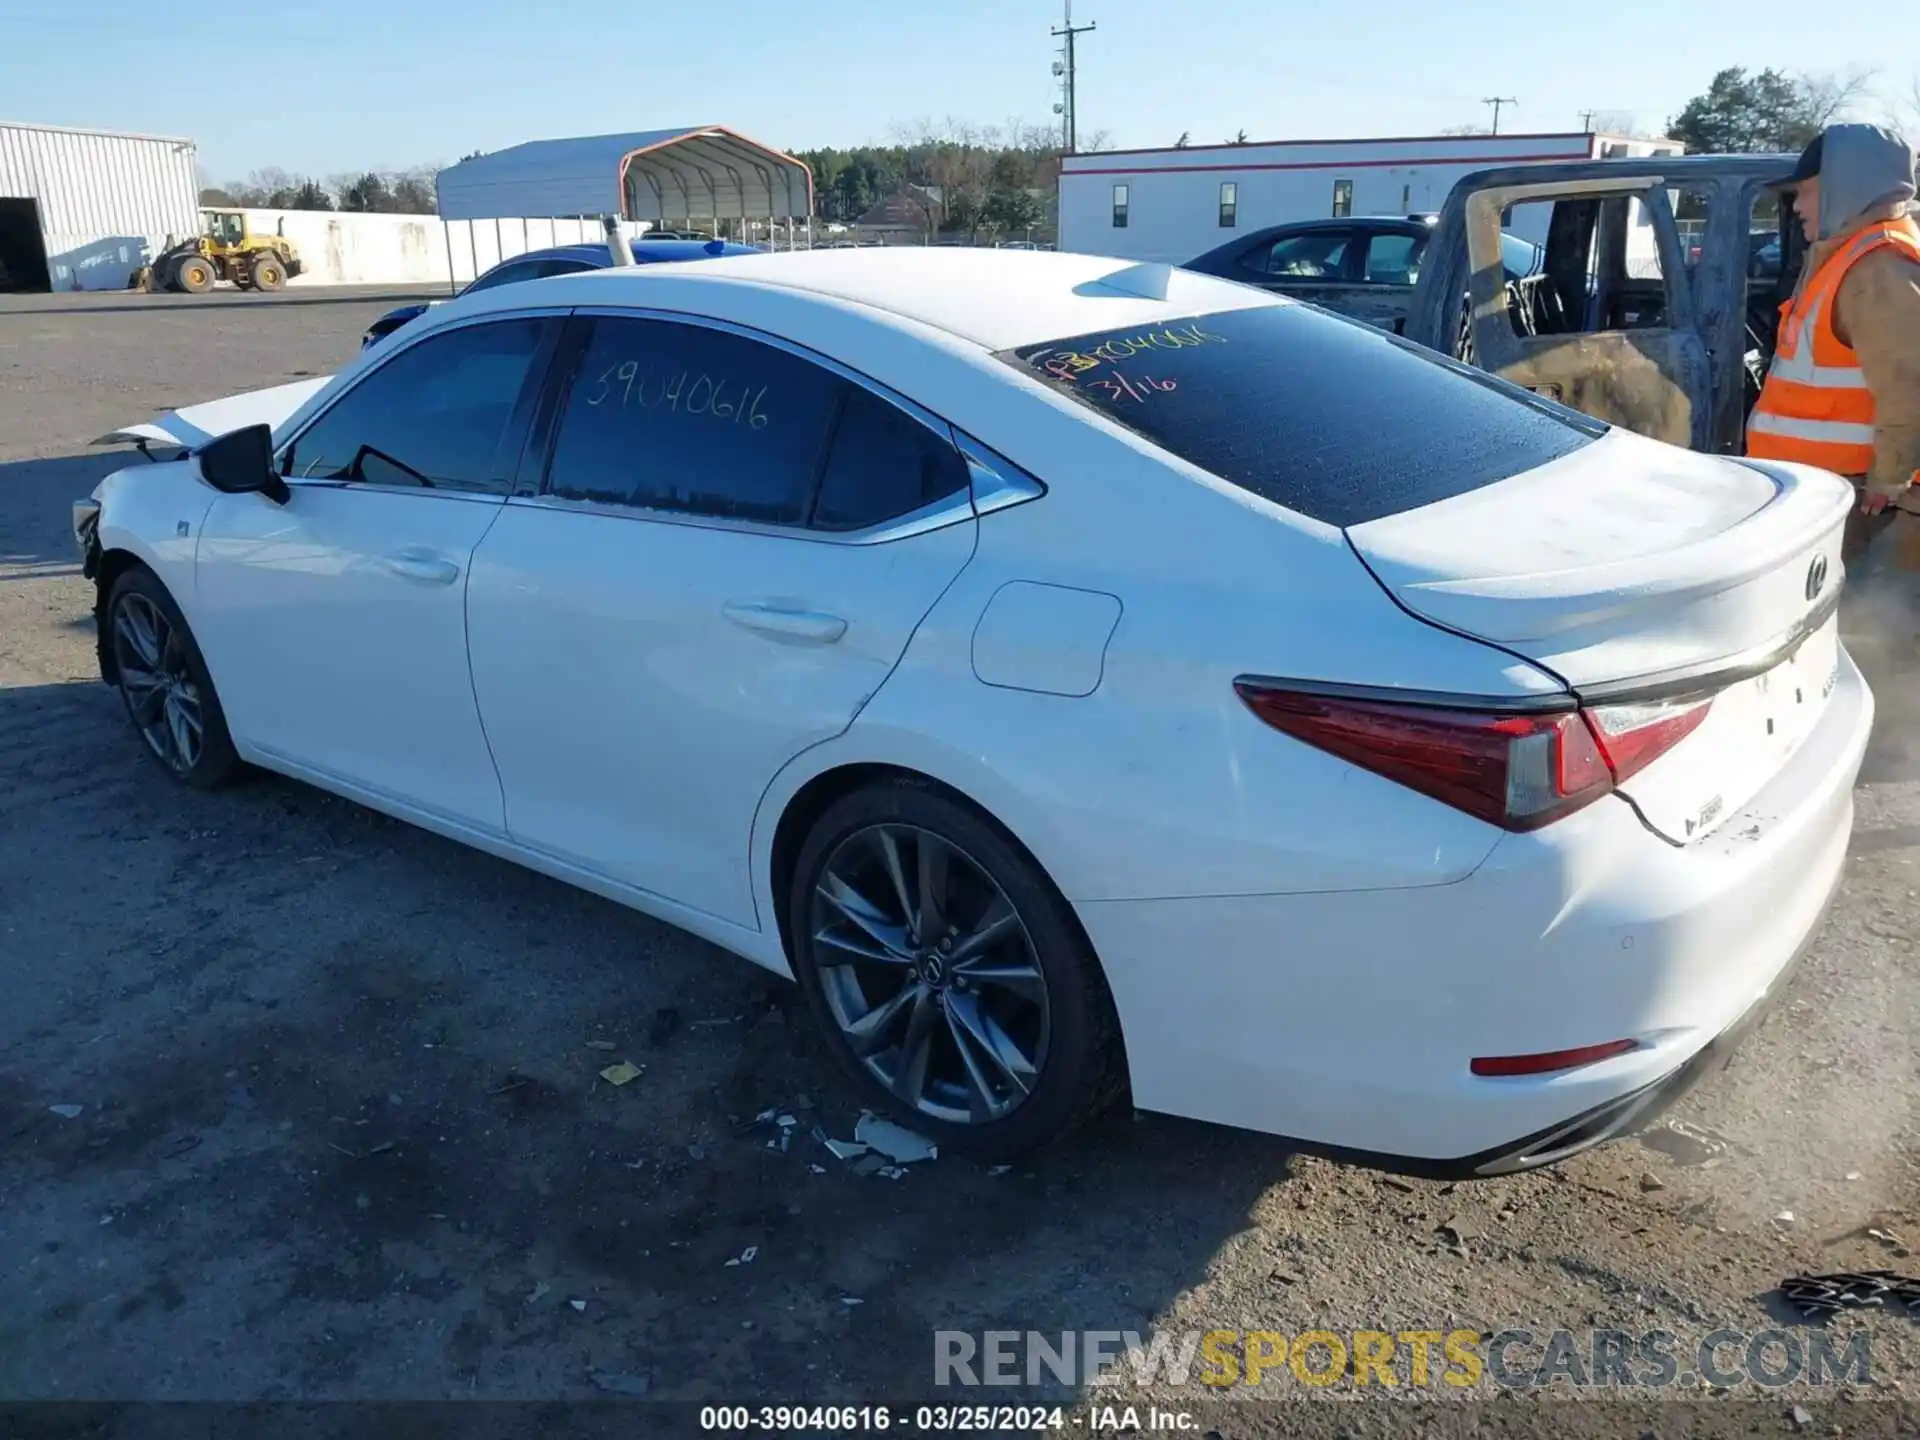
36	509
342	1130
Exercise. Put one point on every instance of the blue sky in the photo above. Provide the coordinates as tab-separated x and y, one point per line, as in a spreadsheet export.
334	85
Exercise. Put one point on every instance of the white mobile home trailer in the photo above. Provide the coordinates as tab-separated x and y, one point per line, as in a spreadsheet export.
1174	205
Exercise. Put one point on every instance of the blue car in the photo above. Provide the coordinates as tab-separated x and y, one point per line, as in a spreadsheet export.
564	260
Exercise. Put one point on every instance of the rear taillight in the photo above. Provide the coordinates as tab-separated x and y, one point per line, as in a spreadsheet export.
1634	736
1517	771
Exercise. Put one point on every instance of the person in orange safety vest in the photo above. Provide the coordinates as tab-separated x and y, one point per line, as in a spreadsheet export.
1844	388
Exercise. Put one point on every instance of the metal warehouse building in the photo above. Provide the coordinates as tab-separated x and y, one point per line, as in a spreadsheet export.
81	209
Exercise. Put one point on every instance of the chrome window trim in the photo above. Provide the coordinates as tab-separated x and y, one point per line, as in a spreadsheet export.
432	492
388	353
954	509
997	482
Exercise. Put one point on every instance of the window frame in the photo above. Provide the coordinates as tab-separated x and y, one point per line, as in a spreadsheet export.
1229	204
1122	203
540	374
993	482
1342	200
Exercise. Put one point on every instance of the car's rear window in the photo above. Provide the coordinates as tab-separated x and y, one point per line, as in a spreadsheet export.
1326	416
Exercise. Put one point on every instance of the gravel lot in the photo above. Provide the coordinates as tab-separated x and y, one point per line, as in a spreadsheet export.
341	1133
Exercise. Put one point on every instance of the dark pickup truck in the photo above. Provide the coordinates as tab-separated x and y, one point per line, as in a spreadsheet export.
1626	318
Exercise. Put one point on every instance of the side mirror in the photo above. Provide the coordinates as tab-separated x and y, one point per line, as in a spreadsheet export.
241	462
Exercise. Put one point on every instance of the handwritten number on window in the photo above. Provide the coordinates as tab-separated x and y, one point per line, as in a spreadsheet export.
1124	387
681	393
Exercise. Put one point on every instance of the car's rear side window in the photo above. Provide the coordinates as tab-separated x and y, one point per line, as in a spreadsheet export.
881	465
679	417
1326	416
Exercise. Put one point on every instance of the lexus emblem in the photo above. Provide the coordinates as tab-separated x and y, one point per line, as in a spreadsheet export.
1816	577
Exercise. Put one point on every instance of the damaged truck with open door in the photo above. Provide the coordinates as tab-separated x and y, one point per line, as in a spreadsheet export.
1656	302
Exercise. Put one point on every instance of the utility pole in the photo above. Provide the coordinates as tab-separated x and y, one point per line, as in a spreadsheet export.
1496	101
1586	121
1065	70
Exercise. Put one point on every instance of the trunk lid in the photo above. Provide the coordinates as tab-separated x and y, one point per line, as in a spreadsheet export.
1637	571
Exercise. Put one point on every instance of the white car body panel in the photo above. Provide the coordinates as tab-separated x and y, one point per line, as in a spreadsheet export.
1631	560
1625	558
1348	1018
1293	943
153	511
643	679
345	611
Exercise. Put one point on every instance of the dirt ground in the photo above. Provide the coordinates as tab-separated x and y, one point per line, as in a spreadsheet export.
340	1132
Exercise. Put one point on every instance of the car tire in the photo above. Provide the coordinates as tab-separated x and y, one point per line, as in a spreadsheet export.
194	275
267	273
163	681
998	1036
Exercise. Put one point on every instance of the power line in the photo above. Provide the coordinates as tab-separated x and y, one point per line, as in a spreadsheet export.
1064	68
1496	101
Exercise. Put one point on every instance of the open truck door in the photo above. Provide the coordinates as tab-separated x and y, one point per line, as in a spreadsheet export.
1607	324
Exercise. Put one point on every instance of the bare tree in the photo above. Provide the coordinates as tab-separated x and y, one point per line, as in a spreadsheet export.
1829	97
1903	110
957	159
1464	130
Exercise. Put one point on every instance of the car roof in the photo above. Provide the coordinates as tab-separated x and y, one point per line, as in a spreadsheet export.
999	299
644	251
1346	222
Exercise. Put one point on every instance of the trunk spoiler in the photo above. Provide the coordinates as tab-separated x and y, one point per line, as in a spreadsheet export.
194	425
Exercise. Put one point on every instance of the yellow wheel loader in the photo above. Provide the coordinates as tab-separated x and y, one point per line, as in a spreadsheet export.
225	249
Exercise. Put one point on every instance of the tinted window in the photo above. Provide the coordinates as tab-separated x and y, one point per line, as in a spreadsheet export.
1325	416
505	275
678	417
440	413
1317	255
883	464
513	274
1394	259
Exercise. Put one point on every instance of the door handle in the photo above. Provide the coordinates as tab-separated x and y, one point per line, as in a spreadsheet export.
783	623
421	565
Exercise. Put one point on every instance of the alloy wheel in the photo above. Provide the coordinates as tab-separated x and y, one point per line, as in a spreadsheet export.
162	695
928	970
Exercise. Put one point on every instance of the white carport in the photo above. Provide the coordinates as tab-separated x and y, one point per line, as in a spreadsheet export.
667	177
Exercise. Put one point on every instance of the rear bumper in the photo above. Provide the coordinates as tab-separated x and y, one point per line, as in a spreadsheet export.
1613	1119
1347	1020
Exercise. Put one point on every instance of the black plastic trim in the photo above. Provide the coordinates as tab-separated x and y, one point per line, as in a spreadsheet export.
1536	704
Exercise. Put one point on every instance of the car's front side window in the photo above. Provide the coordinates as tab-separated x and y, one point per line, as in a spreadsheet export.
440	414
684	418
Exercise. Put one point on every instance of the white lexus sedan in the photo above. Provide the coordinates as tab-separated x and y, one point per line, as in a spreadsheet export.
1077	676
